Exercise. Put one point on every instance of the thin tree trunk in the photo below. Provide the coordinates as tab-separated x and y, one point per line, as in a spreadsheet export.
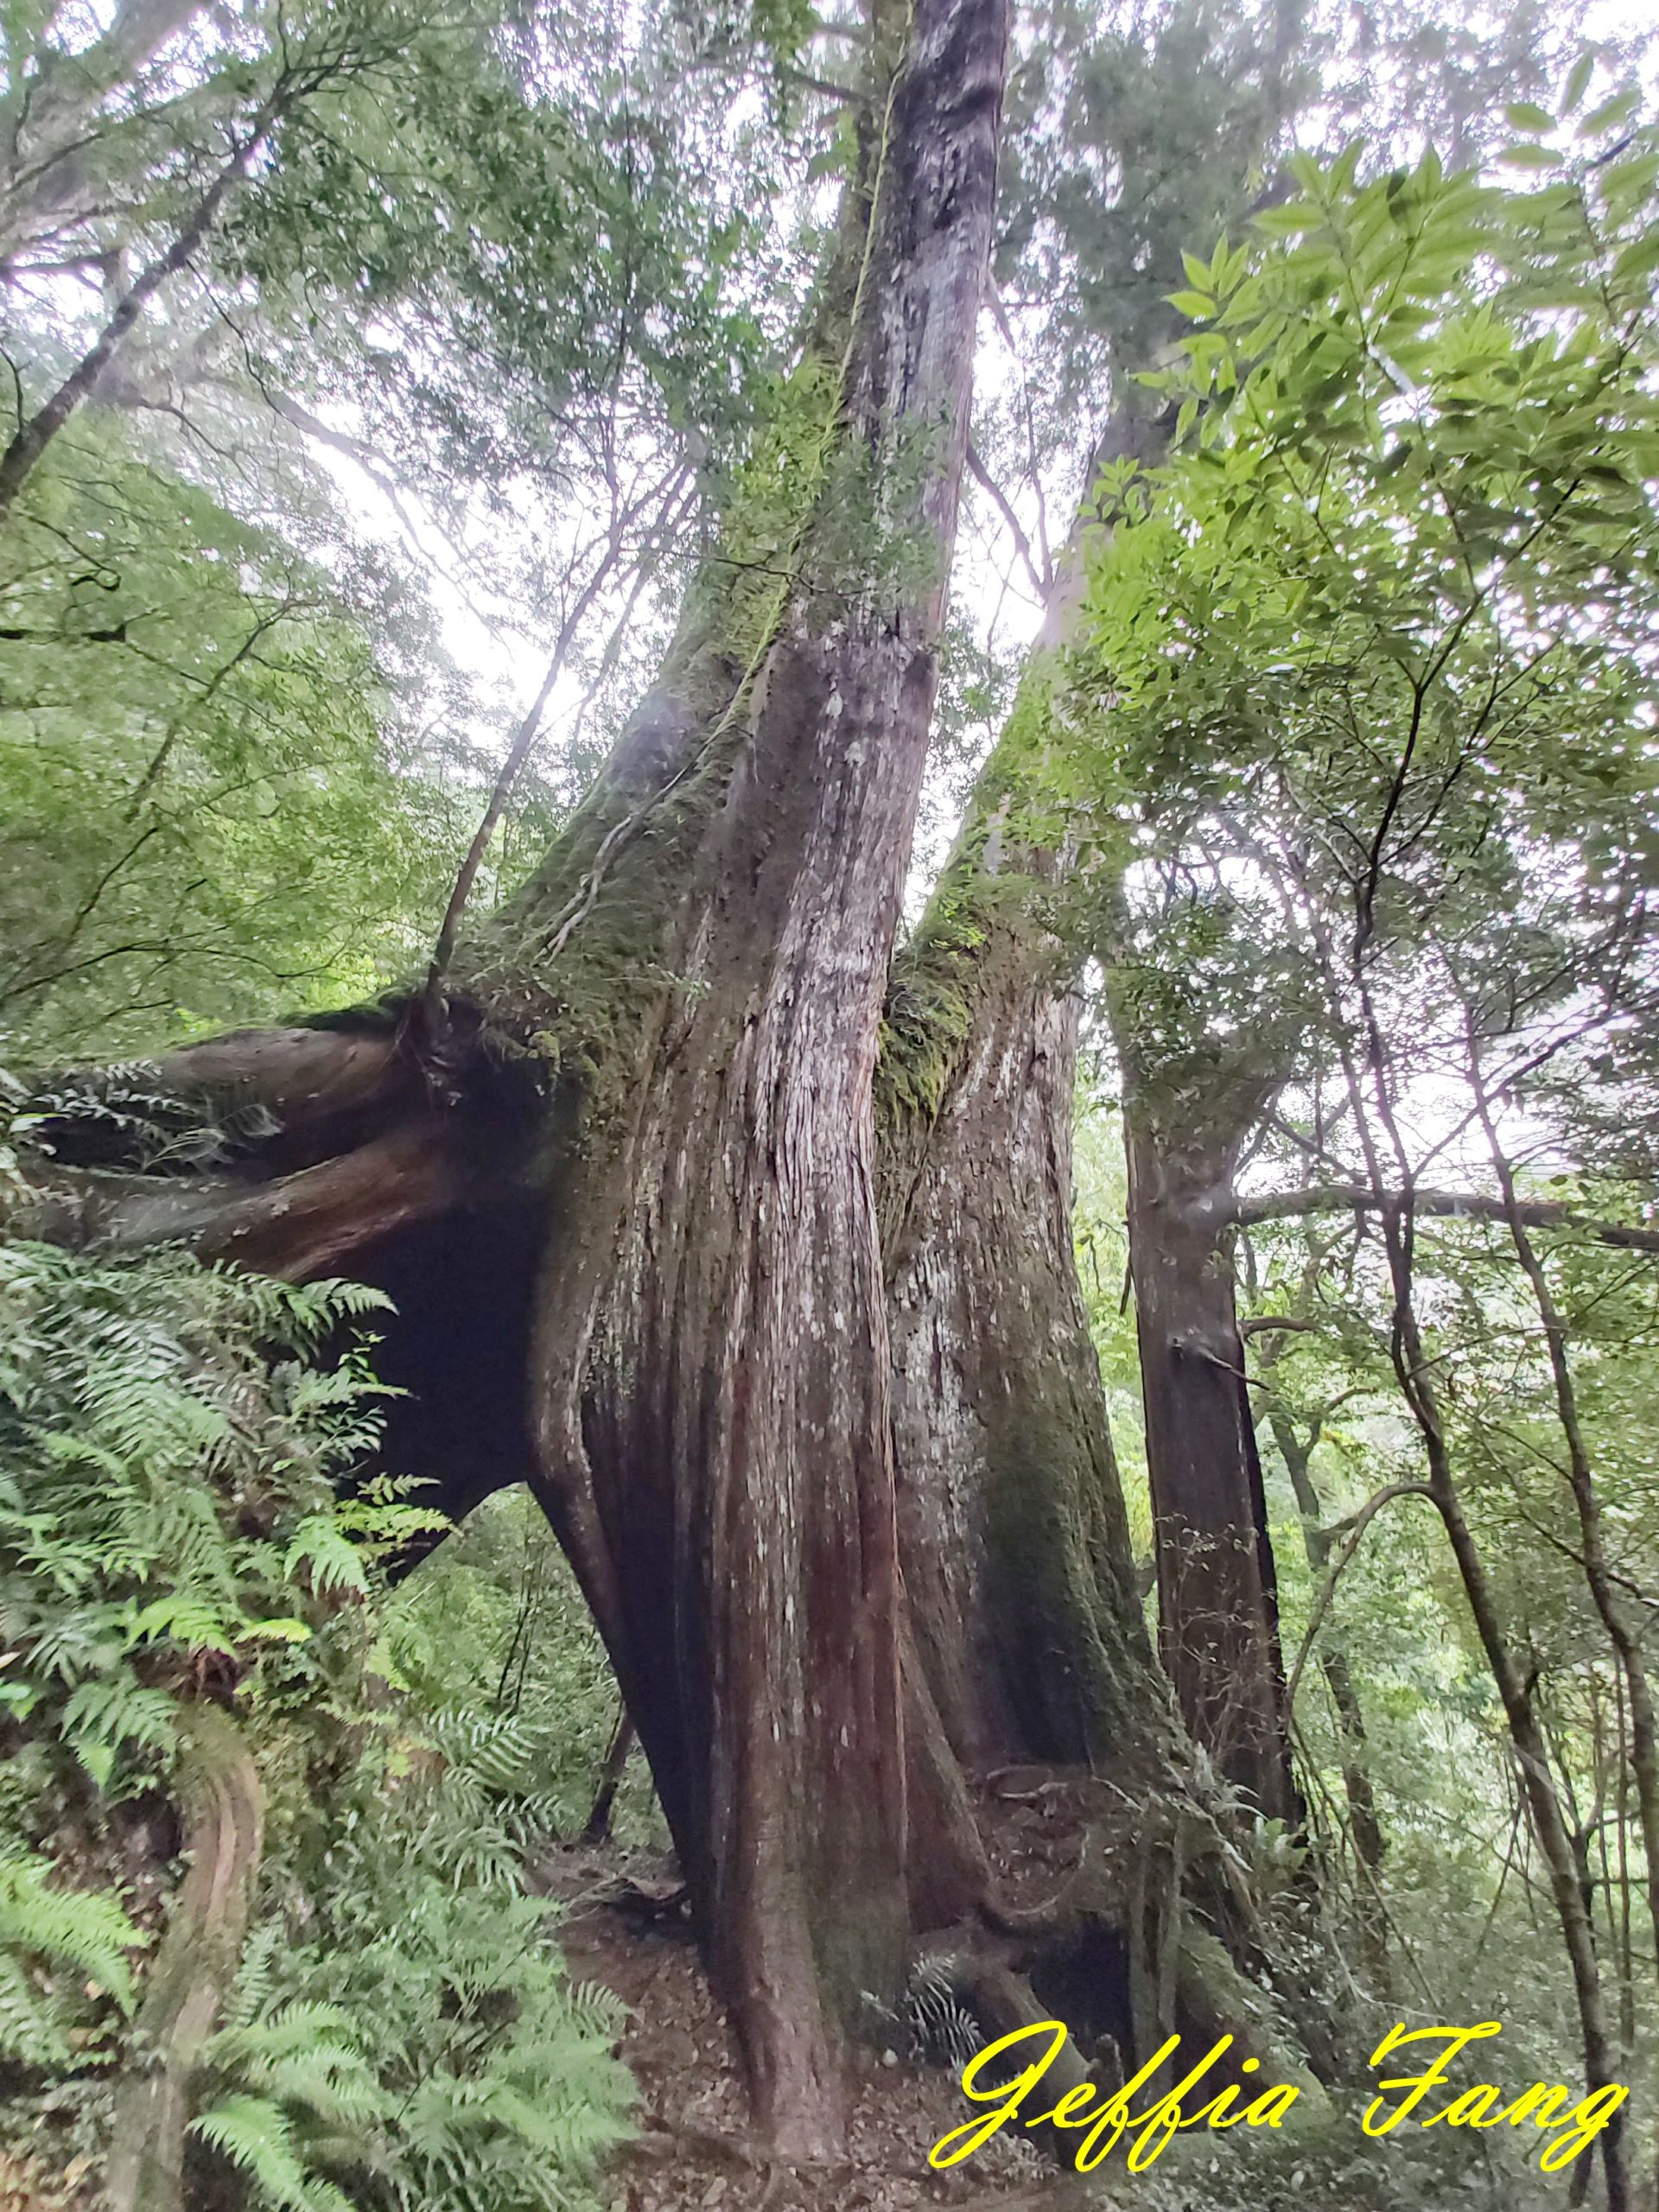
597	1827
1580	1474
1532	1751
524	738
33	435
1333	1661
1363	1823
1297	1450
1415	1374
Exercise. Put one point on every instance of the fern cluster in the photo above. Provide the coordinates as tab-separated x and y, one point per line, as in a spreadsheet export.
166	1522
50	1939
184	1513
168	1447
418	2048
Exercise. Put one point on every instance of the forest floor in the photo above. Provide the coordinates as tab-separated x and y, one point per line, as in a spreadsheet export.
625	1927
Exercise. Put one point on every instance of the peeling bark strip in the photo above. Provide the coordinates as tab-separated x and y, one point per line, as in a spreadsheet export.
223	1807
710	1384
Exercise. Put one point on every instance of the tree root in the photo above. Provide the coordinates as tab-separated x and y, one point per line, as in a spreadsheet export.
597	1827
1156	1923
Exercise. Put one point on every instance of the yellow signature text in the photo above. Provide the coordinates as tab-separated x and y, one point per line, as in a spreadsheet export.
1107	2119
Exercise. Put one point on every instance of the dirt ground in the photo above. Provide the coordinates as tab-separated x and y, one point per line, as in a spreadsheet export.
624	1928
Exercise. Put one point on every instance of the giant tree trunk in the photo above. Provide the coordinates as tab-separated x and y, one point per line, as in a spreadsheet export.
1014	1537
635	1159
709	1371
1020	1582
639	1139
1217	1600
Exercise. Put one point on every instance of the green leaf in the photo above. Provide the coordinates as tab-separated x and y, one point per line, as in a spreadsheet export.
1198	305
1288	221
333	1560
1525	115
1638	260
257	2137
1577	81
1611	114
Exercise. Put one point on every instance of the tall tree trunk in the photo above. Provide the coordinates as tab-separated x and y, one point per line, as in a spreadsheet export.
1018	1577
709	1373
1217	1596
1014	1537
1016	1552
1015	1541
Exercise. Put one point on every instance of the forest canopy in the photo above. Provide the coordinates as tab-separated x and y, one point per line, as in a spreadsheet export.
830	1181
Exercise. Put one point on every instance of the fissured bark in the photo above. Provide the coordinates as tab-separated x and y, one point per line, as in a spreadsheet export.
1015	1541
1217	1597
711	1371
1017	1561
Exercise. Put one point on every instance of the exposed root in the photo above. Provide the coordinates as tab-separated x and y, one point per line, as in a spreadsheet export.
1143	1936
598	1825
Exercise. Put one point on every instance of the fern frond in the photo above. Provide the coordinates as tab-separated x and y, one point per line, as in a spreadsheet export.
117	1715
28	2033
85	1929
257	2137
333	1560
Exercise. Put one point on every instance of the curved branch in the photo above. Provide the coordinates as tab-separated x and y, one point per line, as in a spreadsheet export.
297	1226
1355	1527
1041	583
1471	1206
34	436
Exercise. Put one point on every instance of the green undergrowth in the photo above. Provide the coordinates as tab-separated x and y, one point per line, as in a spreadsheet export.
185	1515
